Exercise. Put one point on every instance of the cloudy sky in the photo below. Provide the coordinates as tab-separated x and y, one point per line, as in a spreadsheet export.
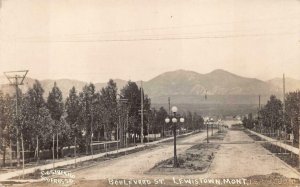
94	40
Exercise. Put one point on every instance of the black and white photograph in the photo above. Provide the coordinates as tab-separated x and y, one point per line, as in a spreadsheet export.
150	93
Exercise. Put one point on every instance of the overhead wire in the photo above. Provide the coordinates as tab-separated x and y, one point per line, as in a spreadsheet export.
159	38
95	36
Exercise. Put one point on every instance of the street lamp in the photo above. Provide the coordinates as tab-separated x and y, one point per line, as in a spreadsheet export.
181	120
207	123
174	121
212	126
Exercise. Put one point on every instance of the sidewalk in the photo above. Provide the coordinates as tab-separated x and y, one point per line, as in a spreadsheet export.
277	143
6	176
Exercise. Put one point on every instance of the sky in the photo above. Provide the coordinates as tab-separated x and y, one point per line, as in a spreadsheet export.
95	40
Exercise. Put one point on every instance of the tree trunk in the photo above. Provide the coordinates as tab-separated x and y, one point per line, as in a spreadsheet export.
18	149
11	154
23	156
61	152
57	145
37	149
75	151
53	147
86	145
105	133
4	153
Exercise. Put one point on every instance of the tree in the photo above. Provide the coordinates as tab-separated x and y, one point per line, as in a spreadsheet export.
161	115
190	121
108	97
73	109
35	119
133	94
199	121
292	113
56	107
6	115
248	122
86	118
271	114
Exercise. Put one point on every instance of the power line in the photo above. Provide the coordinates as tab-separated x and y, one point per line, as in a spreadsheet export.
168	28
157	38
187	26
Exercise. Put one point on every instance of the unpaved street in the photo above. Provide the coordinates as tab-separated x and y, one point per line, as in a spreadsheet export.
135	165
233	160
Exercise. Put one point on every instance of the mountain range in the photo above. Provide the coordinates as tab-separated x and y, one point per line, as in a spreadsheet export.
217	82
184	85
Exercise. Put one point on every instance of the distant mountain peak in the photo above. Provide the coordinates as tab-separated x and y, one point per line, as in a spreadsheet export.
221	71
180	72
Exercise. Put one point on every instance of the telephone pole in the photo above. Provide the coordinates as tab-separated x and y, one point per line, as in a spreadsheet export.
298	120
259	123
16	78
283	108
142	113
169	102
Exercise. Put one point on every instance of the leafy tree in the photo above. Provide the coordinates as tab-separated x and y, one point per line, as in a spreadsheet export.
248	122
147	112
271	114
161	115
55	103
133	94
56	107
6	114
73	109
292	112
35	119
198	121
190	121
108	98
86	118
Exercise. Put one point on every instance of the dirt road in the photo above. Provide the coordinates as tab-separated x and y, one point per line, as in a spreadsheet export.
135	165
245	159
231	161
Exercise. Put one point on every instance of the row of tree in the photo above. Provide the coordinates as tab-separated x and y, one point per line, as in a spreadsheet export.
83	117
276	117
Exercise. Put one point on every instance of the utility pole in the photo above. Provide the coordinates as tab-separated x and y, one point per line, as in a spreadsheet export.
207	131
142	113
212	128
298	126
53	144
92	121
259	123
127	119
118	125
15	79
148	128
283	110
169	101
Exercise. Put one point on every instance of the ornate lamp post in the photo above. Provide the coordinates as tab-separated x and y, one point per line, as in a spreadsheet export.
207	123
174	121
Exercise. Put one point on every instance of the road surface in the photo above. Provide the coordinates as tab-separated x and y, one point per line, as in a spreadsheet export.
135	165
231	161
244	160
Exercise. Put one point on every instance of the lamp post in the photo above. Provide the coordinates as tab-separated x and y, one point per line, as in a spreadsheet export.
212	126
174	121
207	123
